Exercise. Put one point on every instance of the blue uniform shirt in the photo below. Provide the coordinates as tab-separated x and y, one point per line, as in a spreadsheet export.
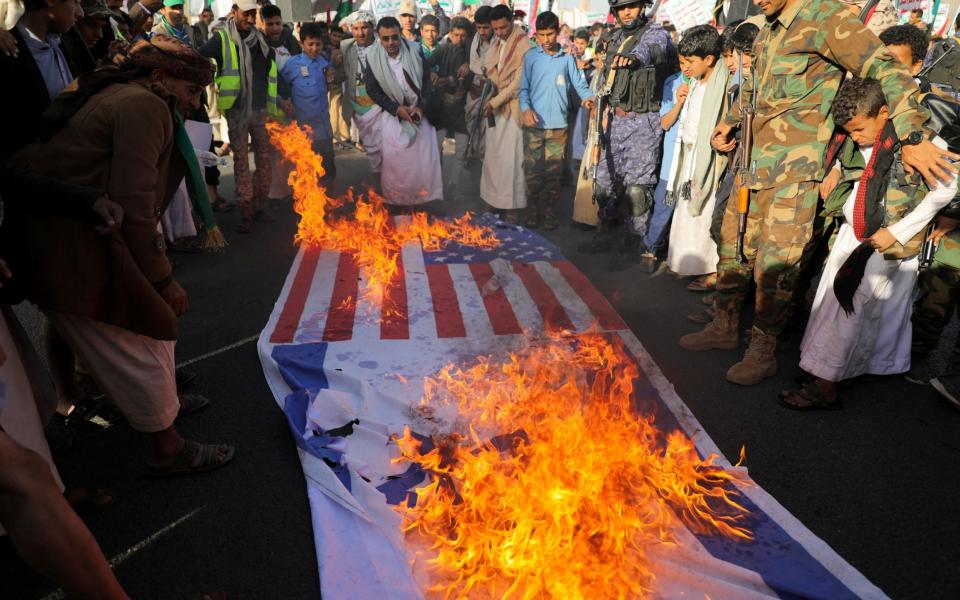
544	85
308	90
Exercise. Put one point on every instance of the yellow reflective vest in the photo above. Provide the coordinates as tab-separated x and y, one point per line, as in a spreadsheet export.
228	78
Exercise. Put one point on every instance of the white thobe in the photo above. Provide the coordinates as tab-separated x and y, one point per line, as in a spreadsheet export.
411	168
691	250
502	184
876	338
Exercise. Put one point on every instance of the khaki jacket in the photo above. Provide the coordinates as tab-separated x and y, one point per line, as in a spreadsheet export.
120	141
507	78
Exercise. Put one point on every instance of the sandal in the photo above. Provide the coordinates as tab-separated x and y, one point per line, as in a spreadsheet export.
194	458
191	403
704	283
88	499
812	395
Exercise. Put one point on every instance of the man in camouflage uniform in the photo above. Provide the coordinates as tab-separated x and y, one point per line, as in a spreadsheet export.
640	58
939	298
799	60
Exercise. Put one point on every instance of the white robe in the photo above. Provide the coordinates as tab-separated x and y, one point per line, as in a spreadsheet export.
691	250
876	338
411	168
368	124
502	184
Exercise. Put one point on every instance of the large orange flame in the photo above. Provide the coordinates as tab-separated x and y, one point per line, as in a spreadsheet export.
577	489
369	233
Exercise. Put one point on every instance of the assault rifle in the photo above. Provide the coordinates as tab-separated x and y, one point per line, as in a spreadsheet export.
473	140
744	165
602	107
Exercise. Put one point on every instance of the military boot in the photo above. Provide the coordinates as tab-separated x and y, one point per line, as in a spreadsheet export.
604	240
759	361
719	334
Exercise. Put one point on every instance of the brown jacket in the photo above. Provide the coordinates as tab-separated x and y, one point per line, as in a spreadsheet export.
120	141
507	78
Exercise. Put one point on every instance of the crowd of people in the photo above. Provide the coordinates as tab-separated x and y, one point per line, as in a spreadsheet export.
787	151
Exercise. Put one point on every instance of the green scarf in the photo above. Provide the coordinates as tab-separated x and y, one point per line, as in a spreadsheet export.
196	185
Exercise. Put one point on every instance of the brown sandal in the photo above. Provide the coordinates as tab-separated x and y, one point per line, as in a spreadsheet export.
194	458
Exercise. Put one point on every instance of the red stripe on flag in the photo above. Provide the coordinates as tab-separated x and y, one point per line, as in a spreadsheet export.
394	317
446	305
343	302
554	316
289	318
605	314
498	307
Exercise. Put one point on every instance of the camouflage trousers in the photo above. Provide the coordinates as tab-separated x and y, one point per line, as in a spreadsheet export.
251	190
939	298
542	168
780	227
632	157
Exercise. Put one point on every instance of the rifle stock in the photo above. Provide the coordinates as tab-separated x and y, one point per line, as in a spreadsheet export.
743	174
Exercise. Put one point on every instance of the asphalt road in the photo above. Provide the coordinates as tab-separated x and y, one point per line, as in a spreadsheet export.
877	480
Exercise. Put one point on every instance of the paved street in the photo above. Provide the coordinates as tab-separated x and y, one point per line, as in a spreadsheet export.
876	481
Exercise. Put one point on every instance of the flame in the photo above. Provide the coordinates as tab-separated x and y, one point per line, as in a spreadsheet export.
547	484
369	234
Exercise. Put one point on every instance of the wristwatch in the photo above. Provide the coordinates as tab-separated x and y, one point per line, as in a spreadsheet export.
913	139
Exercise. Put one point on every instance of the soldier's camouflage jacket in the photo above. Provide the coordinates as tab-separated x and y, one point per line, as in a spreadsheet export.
799	62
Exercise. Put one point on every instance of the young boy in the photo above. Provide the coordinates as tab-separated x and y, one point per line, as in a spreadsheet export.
307	75
861	323
697	167
547	75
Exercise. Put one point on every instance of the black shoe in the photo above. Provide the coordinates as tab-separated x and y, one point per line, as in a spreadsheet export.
59	435
631	244
948	386
184	379
604	240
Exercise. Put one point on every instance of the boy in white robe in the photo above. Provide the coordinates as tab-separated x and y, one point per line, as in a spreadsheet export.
691	250
860	322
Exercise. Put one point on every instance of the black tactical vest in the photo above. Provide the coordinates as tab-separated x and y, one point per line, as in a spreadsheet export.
639	90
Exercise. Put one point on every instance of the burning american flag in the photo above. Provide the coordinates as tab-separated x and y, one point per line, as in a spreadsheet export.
475	420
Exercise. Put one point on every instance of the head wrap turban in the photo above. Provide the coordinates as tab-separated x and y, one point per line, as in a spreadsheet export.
171	57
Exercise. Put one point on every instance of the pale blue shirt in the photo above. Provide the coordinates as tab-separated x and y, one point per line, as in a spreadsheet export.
50	60
544	83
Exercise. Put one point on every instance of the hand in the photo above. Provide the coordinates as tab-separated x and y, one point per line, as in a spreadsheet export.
434	78
330	75
682	92
944	226
463	71
416	114
530	118
882	239
110	213
487	109
403	113
721	137
589	103
176	297
930	161
8	44
287	105
623	62
829	183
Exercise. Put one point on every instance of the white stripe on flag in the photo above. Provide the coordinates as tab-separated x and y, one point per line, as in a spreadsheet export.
475	320
579	313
